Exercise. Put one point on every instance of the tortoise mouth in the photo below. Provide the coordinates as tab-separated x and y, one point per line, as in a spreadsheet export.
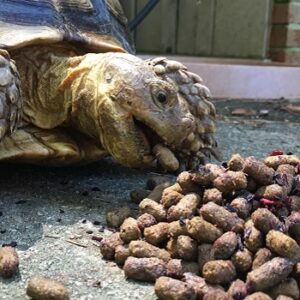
152	138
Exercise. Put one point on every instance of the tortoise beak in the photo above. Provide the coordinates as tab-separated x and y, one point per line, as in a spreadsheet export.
120	136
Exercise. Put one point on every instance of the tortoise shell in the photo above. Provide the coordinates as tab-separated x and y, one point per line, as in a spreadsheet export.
97	25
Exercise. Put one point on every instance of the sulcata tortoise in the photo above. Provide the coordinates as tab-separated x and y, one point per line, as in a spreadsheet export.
72	91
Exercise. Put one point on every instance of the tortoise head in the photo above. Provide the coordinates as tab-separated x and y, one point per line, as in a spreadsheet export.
133	109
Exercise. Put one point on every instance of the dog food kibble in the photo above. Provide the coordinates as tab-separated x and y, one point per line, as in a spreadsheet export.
167	288
261	173
157	234
227	232
9	261
223	218
145	220
155	209
41	288
236	163
129	230
269	274
219	271
144	249
144	269
261	256
203	231
258	296
225	245
178	267
108	245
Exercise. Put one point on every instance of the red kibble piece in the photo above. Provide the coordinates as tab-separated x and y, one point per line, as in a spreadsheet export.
276	152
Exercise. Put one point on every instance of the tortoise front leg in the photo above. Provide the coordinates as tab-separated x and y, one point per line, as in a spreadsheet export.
49	147
10	95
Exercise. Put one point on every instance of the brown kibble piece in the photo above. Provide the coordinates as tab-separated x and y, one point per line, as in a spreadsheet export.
230	181
145	220
184	179
121	254
41	288
144	269
283	297
275	161
9	261
219	271
203	177
177	267
203	231
258	296
220	216
157	234
177	228
283	245
165	157
213	195
264	220
237	290
215	294
262	174
242	260
200	285
143	249
293	225
272	192
269	274
286	169
167	288
288	287
215	170
183	247
261	256
155	209
253	238
116	218
170	197
185	208
108	245
129	230
236	163
295	202
225	245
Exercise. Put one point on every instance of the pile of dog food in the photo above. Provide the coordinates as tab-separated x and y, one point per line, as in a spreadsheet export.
229	231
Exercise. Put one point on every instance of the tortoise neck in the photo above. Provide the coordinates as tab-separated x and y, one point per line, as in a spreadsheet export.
53	88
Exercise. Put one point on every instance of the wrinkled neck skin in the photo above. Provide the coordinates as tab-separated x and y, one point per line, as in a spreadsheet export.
53	84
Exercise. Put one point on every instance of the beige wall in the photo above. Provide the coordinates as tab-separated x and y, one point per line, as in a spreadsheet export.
222	28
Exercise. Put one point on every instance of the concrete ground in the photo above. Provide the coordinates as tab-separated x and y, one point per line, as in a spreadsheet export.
52	213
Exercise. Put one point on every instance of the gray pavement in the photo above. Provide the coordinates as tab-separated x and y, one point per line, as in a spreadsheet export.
46	210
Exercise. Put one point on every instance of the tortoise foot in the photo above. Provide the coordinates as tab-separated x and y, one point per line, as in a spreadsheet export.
10	95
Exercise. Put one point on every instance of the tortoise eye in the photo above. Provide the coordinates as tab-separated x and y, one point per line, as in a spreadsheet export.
162	97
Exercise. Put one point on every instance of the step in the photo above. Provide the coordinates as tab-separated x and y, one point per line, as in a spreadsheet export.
244	79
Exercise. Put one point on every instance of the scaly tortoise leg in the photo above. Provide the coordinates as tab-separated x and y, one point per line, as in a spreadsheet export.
10	95
51	147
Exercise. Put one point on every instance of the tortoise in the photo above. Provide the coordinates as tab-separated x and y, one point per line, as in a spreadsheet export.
72	91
